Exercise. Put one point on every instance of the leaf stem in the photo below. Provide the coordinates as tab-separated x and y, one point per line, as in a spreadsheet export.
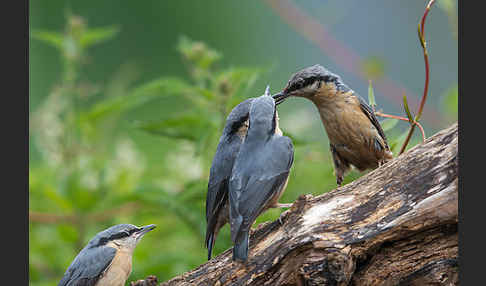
421	32
403	119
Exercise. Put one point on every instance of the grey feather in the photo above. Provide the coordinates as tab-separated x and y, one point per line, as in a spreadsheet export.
220	172
260	171
88	266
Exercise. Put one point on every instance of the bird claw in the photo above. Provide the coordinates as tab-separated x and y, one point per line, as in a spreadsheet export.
279	205
339	181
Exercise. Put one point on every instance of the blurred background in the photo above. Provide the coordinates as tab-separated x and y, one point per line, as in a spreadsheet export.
128	99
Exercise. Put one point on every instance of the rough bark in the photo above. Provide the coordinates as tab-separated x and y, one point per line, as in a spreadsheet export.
397	225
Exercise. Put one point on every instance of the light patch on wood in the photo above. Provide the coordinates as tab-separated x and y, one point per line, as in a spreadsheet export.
441	205
256	275
327	240
382	210
269	240
321	212
438	186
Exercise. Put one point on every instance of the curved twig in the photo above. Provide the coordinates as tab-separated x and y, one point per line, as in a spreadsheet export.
403	119
421	33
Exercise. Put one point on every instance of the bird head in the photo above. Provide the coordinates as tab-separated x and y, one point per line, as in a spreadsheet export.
263	116
311	82
121	236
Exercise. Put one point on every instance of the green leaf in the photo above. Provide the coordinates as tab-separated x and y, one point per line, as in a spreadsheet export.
202	142
63	203
163	86
53	39
204	93
97	35
399	140
371	96
193	190
388	124
68	233
188	127
138	96
168	202
407	110
239	75
82	198
198	53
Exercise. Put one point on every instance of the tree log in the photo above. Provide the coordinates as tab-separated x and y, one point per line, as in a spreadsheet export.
396	225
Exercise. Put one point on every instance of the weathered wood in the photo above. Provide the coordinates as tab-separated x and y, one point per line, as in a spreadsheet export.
397	225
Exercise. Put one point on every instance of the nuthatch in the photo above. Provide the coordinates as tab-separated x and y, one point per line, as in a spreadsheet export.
355	135
234	132
107	258
260	172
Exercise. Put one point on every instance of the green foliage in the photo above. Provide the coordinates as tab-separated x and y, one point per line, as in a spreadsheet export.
450	102
388	124
92	175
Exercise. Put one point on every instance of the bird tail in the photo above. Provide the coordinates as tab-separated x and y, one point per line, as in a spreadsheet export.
240	249
210	244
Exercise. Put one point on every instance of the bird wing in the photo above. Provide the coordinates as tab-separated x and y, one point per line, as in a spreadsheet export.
256	179
371	115
87	267
228	147
220	172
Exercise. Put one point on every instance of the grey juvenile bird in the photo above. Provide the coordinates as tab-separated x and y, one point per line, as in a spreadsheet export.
234	132
107	258
260	172
355	135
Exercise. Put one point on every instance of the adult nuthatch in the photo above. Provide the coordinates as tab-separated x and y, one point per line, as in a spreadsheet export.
234	132
107	258
355	135
260	172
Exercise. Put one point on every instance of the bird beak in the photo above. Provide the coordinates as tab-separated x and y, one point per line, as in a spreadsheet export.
280	97
144	229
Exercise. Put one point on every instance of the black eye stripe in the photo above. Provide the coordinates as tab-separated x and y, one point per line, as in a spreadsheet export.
118	235
123	234
299	83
